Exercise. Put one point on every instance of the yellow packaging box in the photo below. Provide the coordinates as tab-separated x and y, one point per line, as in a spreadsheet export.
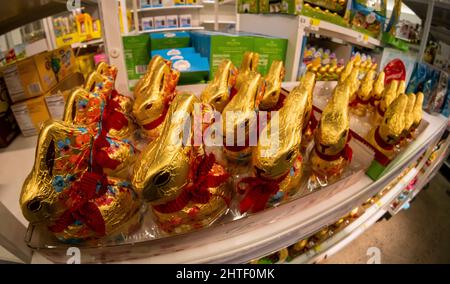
65	62
30	114
56	98
30	77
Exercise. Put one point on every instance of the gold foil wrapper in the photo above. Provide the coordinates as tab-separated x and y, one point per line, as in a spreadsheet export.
417	111
389	95
217	93
409	114
240	112
163	171
378	87
153	94
249	64
272	89
274	157
391	126
331	134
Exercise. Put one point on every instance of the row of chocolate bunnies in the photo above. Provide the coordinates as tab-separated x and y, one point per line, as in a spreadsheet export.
111	153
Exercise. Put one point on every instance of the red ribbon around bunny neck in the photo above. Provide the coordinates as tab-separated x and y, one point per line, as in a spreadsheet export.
79	201
258	191
346	153
198	190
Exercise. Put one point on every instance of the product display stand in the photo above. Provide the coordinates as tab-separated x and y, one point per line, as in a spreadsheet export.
257	235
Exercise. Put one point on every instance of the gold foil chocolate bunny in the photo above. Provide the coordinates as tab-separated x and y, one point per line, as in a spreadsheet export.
153	95
271	99
409	115
307	82
388	133
377	90
249	64
360	103
240	115
417	111
186	188
218	92
331	153
63	194
389	95
277	161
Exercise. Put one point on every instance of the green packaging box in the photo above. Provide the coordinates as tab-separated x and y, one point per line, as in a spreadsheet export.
292	7
228	47
169	40
248	6
269	49
136	56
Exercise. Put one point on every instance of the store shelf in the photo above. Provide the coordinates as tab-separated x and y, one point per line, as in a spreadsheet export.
426	176
179	7
20	12
225	2
357	227
87	43
171	29
332	30
210	22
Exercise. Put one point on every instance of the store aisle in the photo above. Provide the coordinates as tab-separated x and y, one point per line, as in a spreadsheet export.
420	234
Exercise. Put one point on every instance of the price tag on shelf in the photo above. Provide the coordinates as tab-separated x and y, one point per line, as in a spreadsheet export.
314	24
378	203
317	248
362	38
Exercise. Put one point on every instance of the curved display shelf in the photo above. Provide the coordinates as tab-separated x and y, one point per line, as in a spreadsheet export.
171	29
180	7
260	234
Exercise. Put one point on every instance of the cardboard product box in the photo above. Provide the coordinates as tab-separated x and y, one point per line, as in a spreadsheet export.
172	21
148	23
179	2
146	3
248	6
8	125
160	22
193	68
292	7
227	47
30	114
169	40
269	6
269	49
56	98
65	62
185	20
136	56
191	2
30	77
169	53
163	3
